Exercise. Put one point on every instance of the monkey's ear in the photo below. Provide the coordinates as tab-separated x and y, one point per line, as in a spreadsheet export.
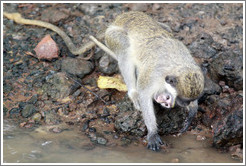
171	80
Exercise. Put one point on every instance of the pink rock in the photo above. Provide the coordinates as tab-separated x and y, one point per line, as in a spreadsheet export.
47	49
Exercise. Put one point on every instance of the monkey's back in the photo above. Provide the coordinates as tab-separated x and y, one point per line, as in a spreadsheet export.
147	39
154	49
140	24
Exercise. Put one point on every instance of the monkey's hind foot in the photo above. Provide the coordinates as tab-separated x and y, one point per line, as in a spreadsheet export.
154	142
133	95
186	126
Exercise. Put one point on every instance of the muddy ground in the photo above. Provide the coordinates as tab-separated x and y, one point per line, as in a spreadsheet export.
46	92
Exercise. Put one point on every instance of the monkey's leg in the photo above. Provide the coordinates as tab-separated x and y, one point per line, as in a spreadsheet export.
117	40
192	111
127	69
147	108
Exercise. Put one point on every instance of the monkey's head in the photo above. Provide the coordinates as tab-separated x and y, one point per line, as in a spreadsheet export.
181	88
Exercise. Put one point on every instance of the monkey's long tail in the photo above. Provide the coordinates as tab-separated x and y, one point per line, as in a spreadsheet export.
74	50
103	47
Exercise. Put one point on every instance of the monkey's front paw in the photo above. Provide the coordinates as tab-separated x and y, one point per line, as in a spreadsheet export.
154	142
133	95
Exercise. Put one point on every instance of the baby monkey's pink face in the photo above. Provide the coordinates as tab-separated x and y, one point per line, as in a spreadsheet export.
165	99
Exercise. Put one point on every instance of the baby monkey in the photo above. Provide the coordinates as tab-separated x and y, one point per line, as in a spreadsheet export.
154	65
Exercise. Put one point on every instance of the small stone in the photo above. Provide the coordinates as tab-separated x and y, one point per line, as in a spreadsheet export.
47	49
92	136
56	130
77	93
14	111
125	141
78	67
33	99
156	6
53	15
107	65
22	105
101	140
92	129
51	117
23	124
223	22
28	110
56	87
37	117
139	6
200	138
85	125
88	8
116	136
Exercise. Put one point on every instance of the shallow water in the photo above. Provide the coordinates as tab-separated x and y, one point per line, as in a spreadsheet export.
71	146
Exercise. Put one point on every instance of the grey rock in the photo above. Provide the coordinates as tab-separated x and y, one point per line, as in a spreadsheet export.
128	119
14	112
229	131
92	136
88	8
234	35
139	6
101	140
204	46
28	110
108	65
33	99
170	121
56	86
228	66
53	15
125	141
85	125
225	115
77	93
51	117
77	66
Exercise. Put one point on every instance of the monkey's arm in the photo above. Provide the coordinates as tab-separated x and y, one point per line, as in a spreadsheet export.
76	51
192	111
146	104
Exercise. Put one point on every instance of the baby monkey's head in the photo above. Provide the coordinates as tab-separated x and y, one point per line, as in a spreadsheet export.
181	89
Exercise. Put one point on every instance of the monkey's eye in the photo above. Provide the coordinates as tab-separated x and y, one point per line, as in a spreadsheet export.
168	97
166	105
171	80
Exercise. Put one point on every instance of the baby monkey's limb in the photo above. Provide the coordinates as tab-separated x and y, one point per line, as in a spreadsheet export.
74	50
